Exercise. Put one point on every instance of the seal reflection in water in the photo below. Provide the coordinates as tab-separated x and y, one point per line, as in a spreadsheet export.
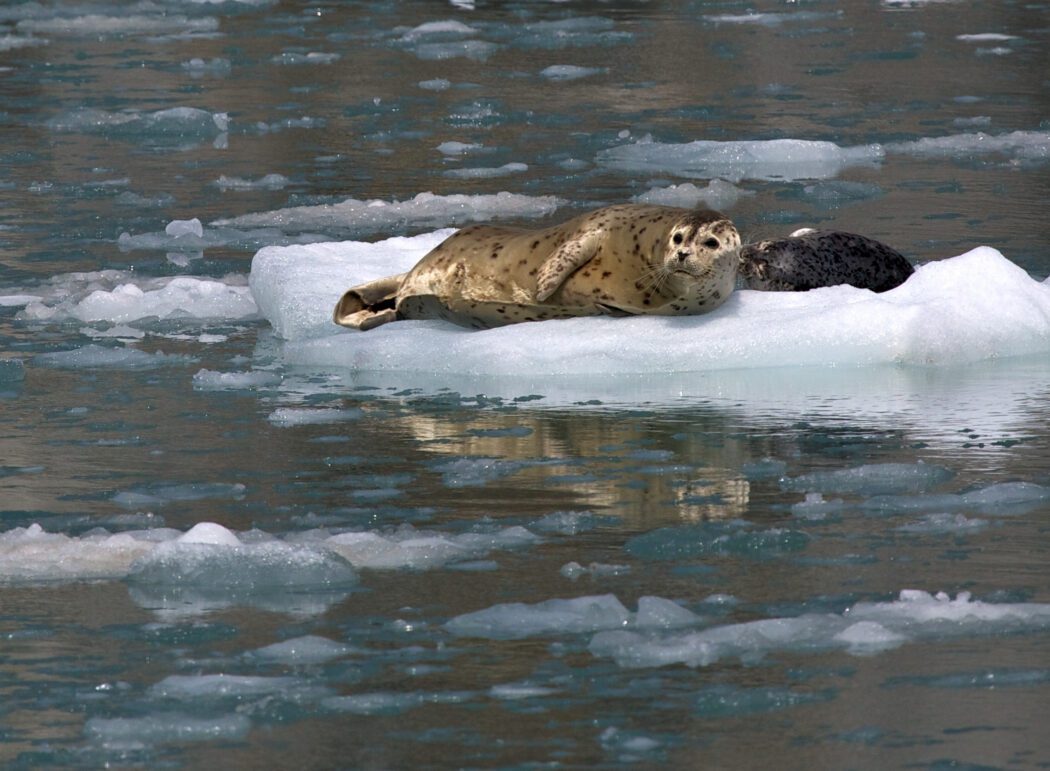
808	259
620	260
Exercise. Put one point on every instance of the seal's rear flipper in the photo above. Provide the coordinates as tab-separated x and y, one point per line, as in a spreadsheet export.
618	311
368	305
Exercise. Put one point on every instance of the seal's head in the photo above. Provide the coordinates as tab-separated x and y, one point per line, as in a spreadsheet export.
699	244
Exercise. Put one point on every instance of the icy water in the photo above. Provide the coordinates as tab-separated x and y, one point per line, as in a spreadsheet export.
230	537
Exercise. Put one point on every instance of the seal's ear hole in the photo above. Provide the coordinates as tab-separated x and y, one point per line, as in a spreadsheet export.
677	238
712	243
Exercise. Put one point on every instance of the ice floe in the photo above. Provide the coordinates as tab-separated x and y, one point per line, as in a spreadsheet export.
373	216
973	307
737	160
864	628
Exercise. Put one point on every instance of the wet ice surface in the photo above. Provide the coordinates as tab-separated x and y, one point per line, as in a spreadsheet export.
232	534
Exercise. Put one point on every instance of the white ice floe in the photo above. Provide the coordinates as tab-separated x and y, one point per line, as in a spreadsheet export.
973	307
178	122
570	616
210	380
1022	145
313	57
424	210
221	567
267	182
92	25
871	479
300	651
719	195
312	416
119	297
165	728
487	172
101	357
737	160
14	42
475	50
448	28
864	628
559	72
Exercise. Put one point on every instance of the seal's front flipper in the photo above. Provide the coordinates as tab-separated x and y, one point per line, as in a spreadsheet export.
567	258
362	306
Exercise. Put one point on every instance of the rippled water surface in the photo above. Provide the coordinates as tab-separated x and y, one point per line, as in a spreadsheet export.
219	547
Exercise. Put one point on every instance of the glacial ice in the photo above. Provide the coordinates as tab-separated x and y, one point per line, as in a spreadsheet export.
300	651
871	479
487	172
738	160
266	182
165	727
99	357
952	311
862	629
376	216
286	417
210	566
718	195
183	123
210	380
119	297
558	72
551	617
93	25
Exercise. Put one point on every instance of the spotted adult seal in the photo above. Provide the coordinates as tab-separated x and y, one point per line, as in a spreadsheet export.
626	259
809	258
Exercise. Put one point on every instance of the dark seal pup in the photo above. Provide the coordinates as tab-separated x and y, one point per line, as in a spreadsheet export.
808	259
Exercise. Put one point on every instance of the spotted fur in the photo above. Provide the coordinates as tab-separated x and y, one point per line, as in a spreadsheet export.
816	258
619	260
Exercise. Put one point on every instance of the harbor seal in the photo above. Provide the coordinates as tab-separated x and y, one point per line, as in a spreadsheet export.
626	259
809	258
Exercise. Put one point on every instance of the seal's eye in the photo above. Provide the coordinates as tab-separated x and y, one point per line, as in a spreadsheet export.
677	238
712	243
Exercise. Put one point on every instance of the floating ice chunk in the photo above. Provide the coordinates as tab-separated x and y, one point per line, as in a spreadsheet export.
1022	145
435	84
944	523
986	37
426	209
954	311
573	570
422	550
771	19
163	728
313	57
192	688
161	494
558	617
31	554
13	42
180	228
570	72
868	637
268	182
863	628
833	193
210	533
385	703
572	522
99	25
299	651
286	417
459	148
475	472
519	691
815	507
209	380
179	297
872	479
444	29
714	538
658	613
475	50
18	300
1001	498
571	32
719	195
98	357
487	172
737	160
197	67
180	123
241	568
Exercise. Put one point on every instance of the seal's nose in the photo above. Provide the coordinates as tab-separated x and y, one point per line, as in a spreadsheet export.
683	255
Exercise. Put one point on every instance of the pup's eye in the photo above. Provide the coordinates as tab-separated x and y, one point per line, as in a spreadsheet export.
712	243
677	238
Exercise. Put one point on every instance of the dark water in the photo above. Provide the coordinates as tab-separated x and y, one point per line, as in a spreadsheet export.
929	479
